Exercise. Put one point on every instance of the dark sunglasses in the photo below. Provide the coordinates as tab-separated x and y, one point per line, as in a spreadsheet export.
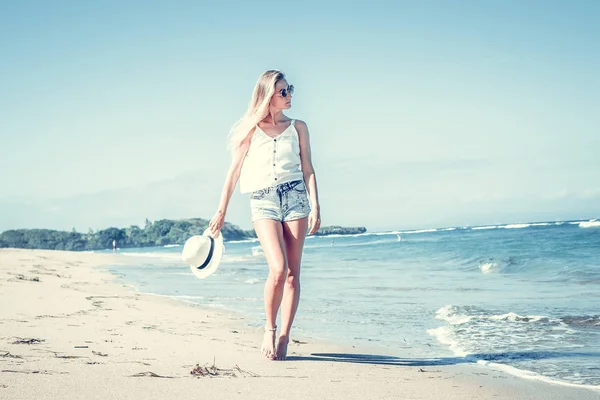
285	92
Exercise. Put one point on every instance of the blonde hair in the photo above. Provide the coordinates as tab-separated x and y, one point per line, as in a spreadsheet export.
258	109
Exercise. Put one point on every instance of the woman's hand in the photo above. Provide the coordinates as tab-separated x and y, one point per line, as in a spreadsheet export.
216	223
314	221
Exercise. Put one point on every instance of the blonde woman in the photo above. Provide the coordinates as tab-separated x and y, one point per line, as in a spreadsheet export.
271	158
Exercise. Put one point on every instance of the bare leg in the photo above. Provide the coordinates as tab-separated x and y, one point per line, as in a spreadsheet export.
270	235
294	233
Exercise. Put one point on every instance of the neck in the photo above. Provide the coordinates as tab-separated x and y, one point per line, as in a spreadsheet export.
274	117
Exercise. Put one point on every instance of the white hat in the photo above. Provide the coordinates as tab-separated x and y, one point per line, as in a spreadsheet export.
203	253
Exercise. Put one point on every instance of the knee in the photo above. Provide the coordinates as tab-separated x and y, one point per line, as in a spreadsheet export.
292	281
278	275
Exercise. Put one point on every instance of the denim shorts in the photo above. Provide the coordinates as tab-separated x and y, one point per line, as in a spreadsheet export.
284	202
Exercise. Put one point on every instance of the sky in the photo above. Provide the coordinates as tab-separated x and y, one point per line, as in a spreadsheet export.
421	114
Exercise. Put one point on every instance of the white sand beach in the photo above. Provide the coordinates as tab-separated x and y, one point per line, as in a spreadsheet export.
71	331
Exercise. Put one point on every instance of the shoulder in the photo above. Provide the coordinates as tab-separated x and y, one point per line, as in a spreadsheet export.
301	127
244	145
300	124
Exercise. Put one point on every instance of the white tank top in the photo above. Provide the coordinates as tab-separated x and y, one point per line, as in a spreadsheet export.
271	161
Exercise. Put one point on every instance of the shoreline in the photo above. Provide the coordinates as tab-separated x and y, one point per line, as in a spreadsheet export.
383	350
103	339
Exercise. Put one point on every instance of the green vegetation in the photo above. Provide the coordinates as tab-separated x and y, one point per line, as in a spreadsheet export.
339	230
157	233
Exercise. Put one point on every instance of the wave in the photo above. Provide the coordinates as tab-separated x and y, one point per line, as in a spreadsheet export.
477	228
527	374
488	267
494	265
581	221
455	315
448	313
167	246
515	226
243	241
517	344
337	235
590	224
582	321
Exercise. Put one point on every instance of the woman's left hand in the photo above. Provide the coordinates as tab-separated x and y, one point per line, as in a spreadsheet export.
314	221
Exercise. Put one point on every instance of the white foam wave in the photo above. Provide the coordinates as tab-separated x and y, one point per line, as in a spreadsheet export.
513	317
252	281
448	314
243	241
515	226
486	268
451	315
478	228
167	246
451	336
337	235
522	373
422	231
589	224
257	251
443	334
188	297
578	222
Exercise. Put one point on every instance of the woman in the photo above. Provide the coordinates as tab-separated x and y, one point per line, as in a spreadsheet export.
271	158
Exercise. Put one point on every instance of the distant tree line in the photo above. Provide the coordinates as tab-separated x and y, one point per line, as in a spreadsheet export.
157	233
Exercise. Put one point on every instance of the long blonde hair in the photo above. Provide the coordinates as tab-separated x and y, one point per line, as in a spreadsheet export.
258	109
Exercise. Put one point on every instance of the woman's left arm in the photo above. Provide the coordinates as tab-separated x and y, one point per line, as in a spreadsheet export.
314	219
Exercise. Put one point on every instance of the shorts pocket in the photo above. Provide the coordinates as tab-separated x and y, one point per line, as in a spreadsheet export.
258	195
300	187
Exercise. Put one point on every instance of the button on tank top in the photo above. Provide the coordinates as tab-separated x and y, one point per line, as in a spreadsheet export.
271	161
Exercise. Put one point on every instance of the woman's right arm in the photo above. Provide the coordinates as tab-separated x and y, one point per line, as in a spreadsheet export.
233	174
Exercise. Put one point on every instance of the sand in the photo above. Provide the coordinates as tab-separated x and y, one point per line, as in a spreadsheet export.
69	330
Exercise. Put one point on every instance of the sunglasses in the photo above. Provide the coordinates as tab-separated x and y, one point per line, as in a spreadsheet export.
285	92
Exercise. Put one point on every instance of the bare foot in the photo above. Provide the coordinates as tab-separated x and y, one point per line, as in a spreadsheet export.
268	344
282	345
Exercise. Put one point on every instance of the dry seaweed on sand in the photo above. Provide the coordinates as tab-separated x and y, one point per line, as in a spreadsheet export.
423	370
213	370
23	278
28	341
67	357
33	372
7	354
149	374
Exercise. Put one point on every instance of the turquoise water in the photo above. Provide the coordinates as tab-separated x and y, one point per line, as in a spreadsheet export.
525	297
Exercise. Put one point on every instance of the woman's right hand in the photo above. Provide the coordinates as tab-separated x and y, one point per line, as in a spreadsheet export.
216	223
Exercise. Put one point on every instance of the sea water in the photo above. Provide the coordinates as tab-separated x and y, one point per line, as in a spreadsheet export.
521	297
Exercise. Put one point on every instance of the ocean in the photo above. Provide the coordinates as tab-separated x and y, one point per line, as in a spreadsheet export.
524	298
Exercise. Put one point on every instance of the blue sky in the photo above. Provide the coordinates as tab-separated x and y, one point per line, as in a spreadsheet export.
421	114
